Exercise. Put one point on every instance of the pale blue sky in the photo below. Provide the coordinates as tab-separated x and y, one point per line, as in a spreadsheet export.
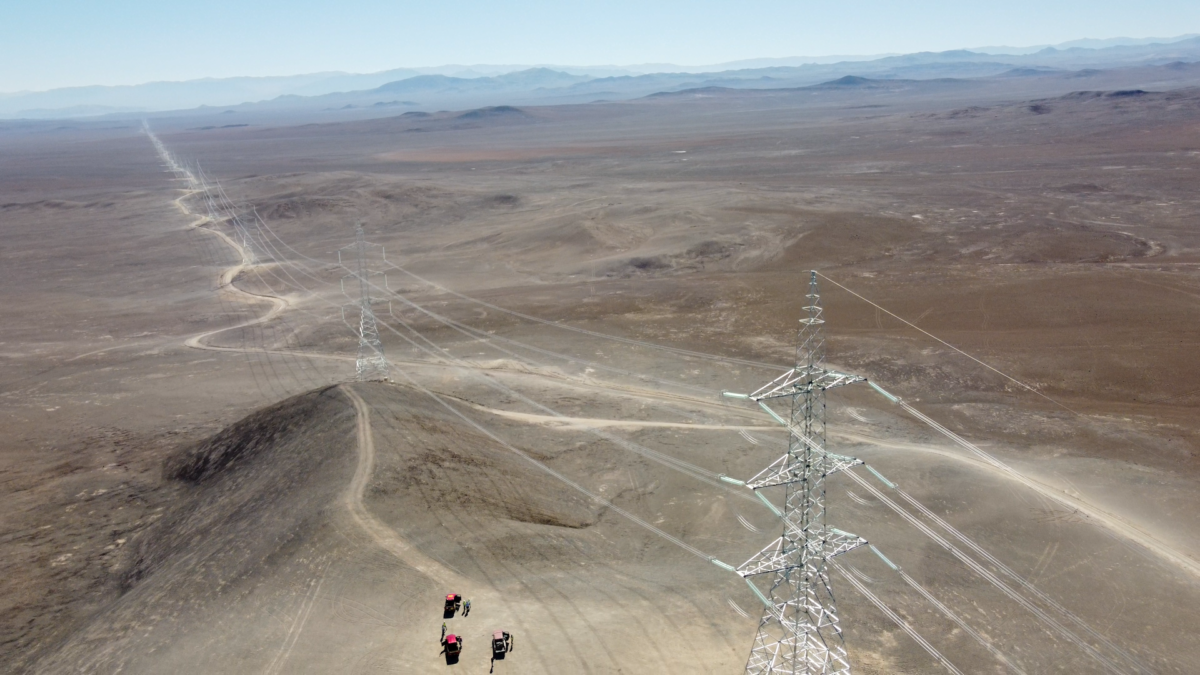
55	43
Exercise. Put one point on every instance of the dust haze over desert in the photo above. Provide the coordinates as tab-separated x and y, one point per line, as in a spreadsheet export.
286	359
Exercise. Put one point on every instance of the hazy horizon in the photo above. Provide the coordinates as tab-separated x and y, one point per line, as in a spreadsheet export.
486	69
147	42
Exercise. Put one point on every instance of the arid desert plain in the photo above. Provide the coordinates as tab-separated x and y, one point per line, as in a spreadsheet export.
193	481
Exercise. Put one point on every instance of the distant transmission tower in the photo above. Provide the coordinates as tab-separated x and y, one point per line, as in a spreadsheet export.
217	202
799	630
249	257
371	364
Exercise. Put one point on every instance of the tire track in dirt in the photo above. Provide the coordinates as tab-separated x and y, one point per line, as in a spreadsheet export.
297	626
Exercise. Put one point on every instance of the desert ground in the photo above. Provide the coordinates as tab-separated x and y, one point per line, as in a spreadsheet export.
193	481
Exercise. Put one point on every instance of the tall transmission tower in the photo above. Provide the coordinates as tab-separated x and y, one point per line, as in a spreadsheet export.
799	631
371	363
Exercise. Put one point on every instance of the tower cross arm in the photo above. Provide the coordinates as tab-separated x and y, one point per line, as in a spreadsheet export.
798	380
785	470
820	544
838	542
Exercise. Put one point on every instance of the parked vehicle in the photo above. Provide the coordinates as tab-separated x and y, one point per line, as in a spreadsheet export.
501	643
453	644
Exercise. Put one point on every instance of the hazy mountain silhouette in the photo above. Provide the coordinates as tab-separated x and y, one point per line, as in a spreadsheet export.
480	86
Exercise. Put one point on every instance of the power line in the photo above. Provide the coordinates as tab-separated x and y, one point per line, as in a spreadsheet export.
959	622
931	335
651	345
895	618
1129	658
1084	509
984	572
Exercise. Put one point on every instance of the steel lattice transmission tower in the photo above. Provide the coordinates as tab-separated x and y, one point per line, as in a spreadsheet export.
799	631
371	363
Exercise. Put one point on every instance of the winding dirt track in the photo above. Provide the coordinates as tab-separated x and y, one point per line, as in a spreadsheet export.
380	533
226	281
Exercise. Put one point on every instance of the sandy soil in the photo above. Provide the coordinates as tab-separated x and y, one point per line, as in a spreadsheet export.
189	490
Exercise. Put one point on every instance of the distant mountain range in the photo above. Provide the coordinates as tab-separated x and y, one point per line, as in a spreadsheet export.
1087	43
469	86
